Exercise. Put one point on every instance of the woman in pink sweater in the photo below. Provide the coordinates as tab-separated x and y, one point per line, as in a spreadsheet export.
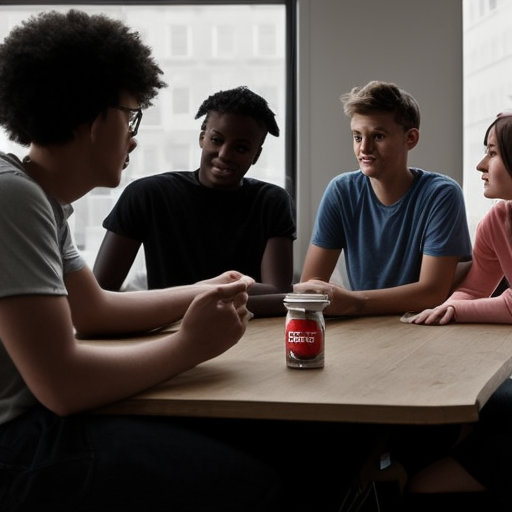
477	470
472	301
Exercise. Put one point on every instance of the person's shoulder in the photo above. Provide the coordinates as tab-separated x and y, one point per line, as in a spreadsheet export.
436	181
498	216
348	177
10	165
501	209
349	181
22	200
434	178
249	181
168	178
256	184
14	181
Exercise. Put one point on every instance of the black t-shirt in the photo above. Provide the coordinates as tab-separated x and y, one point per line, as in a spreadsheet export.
191	232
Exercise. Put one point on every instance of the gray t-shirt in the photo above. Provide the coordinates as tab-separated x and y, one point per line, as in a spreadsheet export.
36	250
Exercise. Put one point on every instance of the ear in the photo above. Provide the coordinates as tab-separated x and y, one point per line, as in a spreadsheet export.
257	155
412	137
94	128
201	138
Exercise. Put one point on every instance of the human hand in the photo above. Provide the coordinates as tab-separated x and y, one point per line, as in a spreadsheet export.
441	315
229	276
216	320
333	292
313	286
342	302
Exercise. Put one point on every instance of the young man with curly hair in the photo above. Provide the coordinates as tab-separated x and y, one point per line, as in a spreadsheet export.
196	224
73	87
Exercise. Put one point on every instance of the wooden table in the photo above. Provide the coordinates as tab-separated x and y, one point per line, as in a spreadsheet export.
377	370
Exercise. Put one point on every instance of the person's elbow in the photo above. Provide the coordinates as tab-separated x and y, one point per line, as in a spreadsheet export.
433	296
107	280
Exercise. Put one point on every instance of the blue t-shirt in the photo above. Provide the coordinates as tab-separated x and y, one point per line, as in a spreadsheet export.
383	245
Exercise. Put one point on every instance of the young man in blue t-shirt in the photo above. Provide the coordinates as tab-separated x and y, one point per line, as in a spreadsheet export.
402	230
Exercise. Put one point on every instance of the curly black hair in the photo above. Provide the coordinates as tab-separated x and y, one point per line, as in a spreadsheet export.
240	100
58	71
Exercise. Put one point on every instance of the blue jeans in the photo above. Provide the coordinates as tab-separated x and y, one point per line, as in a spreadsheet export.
98	463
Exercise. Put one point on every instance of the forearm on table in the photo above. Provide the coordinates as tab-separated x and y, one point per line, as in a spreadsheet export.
138	311
269	289
496	310
266	305
397	300
97	375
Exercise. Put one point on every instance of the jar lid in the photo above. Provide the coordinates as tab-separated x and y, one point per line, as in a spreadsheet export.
311	301
306	297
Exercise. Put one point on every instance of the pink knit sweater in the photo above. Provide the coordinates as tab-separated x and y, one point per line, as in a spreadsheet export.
492	259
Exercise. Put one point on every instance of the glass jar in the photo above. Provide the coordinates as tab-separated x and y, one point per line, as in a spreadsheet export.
305	330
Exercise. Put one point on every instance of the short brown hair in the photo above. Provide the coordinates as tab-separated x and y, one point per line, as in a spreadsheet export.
377	96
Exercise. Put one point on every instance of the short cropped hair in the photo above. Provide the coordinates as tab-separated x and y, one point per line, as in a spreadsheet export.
503	132
58	71
243	101
377	96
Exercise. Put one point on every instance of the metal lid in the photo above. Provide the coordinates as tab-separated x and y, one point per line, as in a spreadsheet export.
311	301
306	297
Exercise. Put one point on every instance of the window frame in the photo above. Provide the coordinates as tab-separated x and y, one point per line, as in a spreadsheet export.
290	175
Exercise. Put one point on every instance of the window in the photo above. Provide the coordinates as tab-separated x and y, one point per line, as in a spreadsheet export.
487	88
197	61
223	43
180	156
181	100
153	117
179	41
265	41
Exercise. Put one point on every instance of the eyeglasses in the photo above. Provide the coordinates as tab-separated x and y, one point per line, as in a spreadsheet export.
134	118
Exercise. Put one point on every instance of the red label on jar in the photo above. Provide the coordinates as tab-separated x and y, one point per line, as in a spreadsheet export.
304	338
